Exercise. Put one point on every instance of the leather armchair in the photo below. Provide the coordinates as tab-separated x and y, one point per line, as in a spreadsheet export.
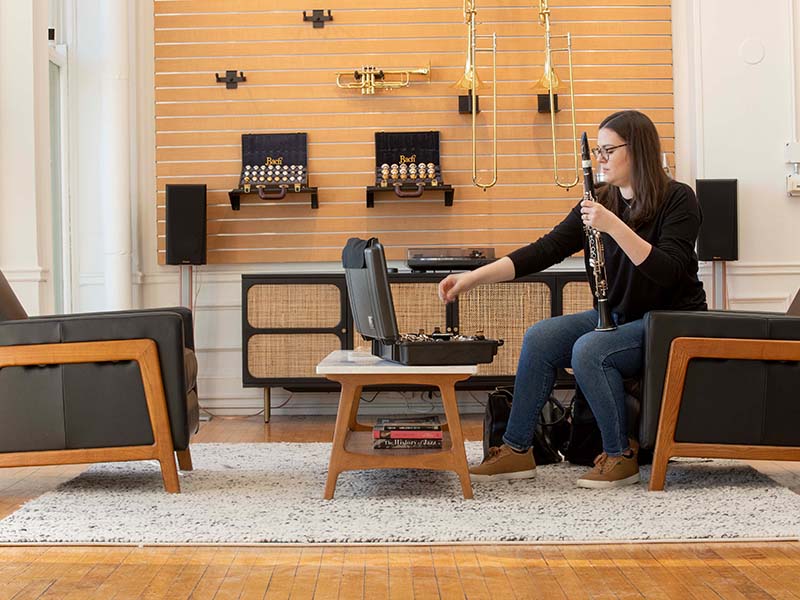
97	387
720	384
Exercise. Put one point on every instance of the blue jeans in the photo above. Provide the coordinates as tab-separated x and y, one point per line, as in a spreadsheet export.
601	360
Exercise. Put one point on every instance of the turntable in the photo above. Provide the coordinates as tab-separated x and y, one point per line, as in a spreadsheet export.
448	259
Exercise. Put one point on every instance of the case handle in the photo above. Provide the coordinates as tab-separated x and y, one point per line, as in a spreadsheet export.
264	195
404	194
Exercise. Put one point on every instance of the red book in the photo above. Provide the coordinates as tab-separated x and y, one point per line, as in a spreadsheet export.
411	434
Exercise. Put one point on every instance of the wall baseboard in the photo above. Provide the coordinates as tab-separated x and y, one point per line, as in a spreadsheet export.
26	275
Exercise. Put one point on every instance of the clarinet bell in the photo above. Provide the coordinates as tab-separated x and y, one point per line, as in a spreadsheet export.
604	320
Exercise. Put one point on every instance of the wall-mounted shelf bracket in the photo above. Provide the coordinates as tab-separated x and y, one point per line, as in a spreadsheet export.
231	79
318	17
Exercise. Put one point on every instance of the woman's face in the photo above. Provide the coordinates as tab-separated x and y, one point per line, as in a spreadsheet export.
617	167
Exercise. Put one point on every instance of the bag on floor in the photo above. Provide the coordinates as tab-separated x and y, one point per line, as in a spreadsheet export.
585	442
549	437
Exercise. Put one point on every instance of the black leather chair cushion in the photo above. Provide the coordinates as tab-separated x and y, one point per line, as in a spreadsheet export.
724	401
185	314
166	328
31	409
104	406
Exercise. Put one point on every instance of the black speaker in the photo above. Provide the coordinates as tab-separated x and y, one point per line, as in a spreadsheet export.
186	224
719	232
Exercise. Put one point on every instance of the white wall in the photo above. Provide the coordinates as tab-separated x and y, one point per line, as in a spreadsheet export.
24	153
735	78
732	120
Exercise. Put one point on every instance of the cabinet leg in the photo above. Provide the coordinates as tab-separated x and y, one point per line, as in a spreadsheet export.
267	404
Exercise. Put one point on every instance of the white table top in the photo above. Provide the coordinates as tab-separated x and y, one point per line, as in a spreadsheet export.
353	361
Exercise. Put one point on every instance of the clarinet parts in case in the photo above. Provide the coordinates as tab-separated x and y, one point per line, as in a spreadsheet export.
273	164
407	164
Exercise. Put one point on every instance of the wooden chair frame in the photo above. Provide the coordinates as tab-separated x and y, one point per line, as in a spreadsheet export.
145	353
684	349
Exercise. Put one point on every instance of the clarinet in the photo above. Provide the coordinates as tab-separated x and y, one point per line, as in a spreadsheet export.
597	259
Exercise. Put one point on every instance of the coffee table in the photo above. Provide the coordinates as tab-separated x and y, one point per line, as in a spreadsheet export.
352	441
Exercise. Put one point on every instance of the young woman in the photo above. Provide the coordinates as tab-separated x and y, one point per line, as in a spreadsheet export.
649	226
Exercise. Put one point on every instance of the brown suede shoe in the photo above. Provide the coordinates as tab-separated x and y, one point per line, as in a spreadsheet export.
613	471
504	463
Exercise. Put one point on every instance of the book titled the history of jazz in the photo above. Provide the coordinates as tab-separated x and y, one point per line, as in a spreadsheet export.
407	432
383	444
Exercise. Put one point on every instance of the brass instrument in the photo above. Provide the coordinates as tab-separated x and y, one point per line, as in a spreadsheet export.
550	82
369	78
597	257
470	82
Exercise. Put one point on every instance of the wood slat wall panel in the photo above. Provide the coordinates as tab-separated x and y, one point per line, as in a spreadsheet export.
622	59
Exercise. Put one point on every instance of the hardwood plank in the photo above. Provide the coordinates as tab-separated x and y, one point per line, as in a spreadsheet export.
376	573
353	568
280	584
493	571
749	560
401	583
445	570
652	578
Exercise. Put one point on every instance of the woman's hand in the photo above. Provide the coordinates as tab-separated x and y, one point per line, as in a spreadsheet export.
598	216
457	283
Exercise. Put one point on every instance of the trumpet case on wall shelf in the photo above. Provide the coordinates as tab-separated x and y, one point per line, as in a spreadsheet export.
395	153
273	165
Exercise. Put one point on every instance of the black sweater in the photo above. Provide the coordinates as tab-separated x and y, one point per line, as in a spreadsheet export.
666	279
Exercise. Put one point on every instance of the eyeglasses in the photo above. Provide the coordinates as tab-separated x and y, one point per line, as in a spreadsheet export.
605	152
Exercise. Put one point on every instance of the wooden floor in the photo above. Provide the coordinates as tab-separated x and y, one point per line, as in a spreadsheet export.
680	571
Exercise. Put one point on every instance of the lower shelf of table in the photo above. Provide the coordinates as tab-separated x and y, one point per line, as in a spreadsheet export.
360	442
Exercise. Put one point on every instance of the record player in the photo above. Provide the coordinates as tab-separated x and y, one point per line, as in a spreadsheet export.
448	259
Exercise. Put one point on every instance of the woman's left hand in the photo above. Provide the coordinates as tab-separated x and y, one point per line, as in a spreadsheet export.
598	216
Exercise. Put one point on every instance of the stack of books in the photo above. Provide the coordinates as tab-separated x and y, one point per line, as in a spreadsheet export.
407	432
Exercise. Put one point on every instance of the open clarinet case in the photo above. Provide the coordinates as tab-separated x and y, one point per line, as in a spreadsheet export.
407	164
273	165
372	306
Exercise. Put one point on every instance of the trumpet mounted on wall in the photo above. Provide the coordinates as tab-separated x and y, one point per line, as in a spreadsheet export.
370	78
549	84
471	83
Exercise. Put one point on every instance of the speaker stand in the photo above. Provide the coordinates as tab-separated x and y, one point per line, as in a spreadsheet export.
187	299
720	284
187	286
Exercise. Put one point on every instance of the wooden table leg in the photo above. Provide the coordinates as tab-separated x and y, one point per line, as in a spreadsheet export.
353	423
348	406
459	455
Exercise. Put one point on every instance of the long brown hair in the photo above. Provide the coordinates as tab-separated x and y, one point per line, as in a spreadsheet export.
648	178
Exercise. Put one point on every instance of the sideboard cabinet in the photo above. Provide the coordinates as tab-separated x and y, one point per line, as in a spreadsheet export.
290	322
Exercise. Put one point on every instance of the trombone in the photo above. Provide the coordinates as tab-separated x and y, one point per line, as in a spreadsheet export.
470	82
370	78
550	82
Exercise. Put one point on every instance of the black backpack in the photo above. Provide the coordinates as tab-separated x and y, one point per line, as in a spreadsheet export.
549	438
585	441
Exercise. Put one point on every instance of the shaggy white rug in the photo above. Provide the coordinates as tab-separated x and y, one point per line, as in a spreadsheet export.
252	493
